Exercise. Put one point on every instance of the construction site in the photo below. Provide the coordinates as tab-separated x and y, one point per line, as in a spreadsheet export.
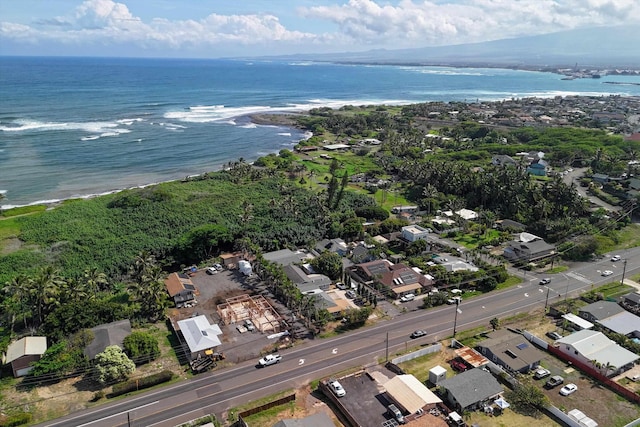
257	309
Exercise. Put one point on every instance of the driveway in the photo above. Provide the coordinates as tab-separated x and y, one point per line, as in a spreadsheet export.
574	176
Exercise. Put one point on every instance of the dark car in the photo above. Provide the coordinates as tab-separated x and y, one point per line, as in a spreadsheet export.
544	281
554	381
458	365
554	335
417	334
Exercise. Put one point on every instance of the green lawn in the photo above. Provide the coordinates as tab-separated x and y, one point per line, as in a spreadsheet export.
472	241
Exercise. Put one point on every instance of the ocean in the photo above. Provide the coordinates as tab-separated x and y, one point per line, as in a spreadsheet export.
76	127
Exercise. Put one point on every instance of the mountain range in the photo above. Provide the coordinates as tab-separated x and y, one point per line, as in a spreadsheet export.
600	47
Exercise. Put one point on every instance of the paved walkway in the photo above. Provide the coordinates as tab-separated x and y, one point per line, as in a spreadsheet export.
630	282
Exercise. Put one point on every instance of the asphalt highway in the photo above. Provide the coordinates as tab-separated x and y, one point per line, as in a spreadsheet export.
218	391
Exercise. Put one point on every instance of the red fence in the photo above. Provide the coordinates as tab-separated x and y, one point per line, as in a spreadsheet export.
594	373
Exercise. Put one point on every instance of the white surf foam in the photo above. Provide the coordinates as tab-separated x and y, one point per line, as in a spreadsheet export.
249	126
285	133
89	138
26	125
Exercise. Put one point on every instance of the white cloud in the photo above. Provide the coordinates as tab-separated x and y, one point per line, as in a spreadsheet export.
355	24
106	21
410	23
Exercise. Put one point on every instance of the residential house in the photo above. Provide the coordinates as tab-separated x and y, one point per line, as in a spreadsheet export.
503	160
413	233
511	351
180	288
286	257
409	394
471	389
106	335
361	253
401	280
367	272
319	419
510	225
455	264
538	167
613	317
306	279
22	353
466	214
199	334
332	245
528	247
631	301
600	310
595	349
600	178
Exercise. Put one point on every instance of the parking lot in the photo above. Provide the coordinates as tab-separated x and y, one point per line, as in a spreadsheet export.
215	289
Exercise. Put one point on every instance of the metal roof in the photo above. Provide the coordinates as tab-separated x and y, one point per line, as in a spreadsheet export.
410	393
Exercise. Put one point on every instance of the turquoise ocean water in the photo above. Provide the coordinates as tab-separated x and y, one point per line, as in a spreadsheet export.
73	127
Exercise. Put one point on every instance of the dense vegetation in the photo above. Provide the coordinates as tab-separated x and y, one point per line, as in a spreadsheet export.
88	262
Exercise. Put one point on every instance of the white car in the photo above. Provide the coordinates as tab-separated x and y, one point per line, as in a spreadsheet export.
408	297
568	389
541	373
270	359
607	273
616	258
337	388
211	270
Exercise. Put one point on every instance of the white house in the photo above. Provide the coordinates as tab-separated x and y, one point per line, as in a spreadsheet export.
595	349
199	334
413	233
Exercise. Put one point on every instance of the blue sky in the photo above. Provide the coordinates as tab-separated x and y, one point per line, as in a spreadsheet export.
221	28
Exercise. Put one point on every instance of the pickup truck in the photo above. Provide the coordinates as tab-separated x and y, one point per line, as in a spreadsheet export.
270	359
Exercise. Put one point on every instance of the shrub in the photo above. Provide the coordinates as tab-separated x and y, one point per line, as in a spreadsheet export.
141	383
17	420
141	347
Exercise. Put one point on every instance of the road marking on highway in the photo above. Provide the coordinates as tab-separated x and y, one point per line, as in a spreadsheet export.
579	277
526	295
483	307
541	290
119	413
334	351
301	361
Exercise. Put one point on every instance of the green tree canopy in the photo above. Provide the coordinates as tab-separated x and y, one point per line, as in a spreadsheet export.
329	264
141	347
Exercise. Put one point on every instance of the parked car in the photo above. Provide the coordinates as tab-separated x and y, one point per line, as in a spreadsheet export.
568	389
607	273
454	300
211	270
341	286
554	335
218	267
417	334
350	294
541	373
554	381
249	325
615	258
458	365
407	298
270	359
337	388
395	413
544	281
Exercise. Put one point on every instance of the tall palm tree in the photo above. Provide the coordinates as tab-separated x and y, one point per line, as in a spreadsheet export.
16	300
44	288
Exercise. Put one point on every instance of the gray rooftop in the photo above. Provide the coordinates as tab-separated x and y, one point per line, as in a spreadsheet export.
624	323
513	349
286	256
472	386
107	334
602	309
596	346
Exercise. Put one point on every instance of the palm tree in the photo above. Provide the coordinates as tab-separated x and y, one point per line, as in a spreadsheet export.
95	281
44	289
16	291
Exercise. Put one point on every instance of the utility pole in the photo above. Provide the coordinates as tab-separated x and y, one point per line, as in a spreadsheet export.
387	353
624	270
546	301
455	319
